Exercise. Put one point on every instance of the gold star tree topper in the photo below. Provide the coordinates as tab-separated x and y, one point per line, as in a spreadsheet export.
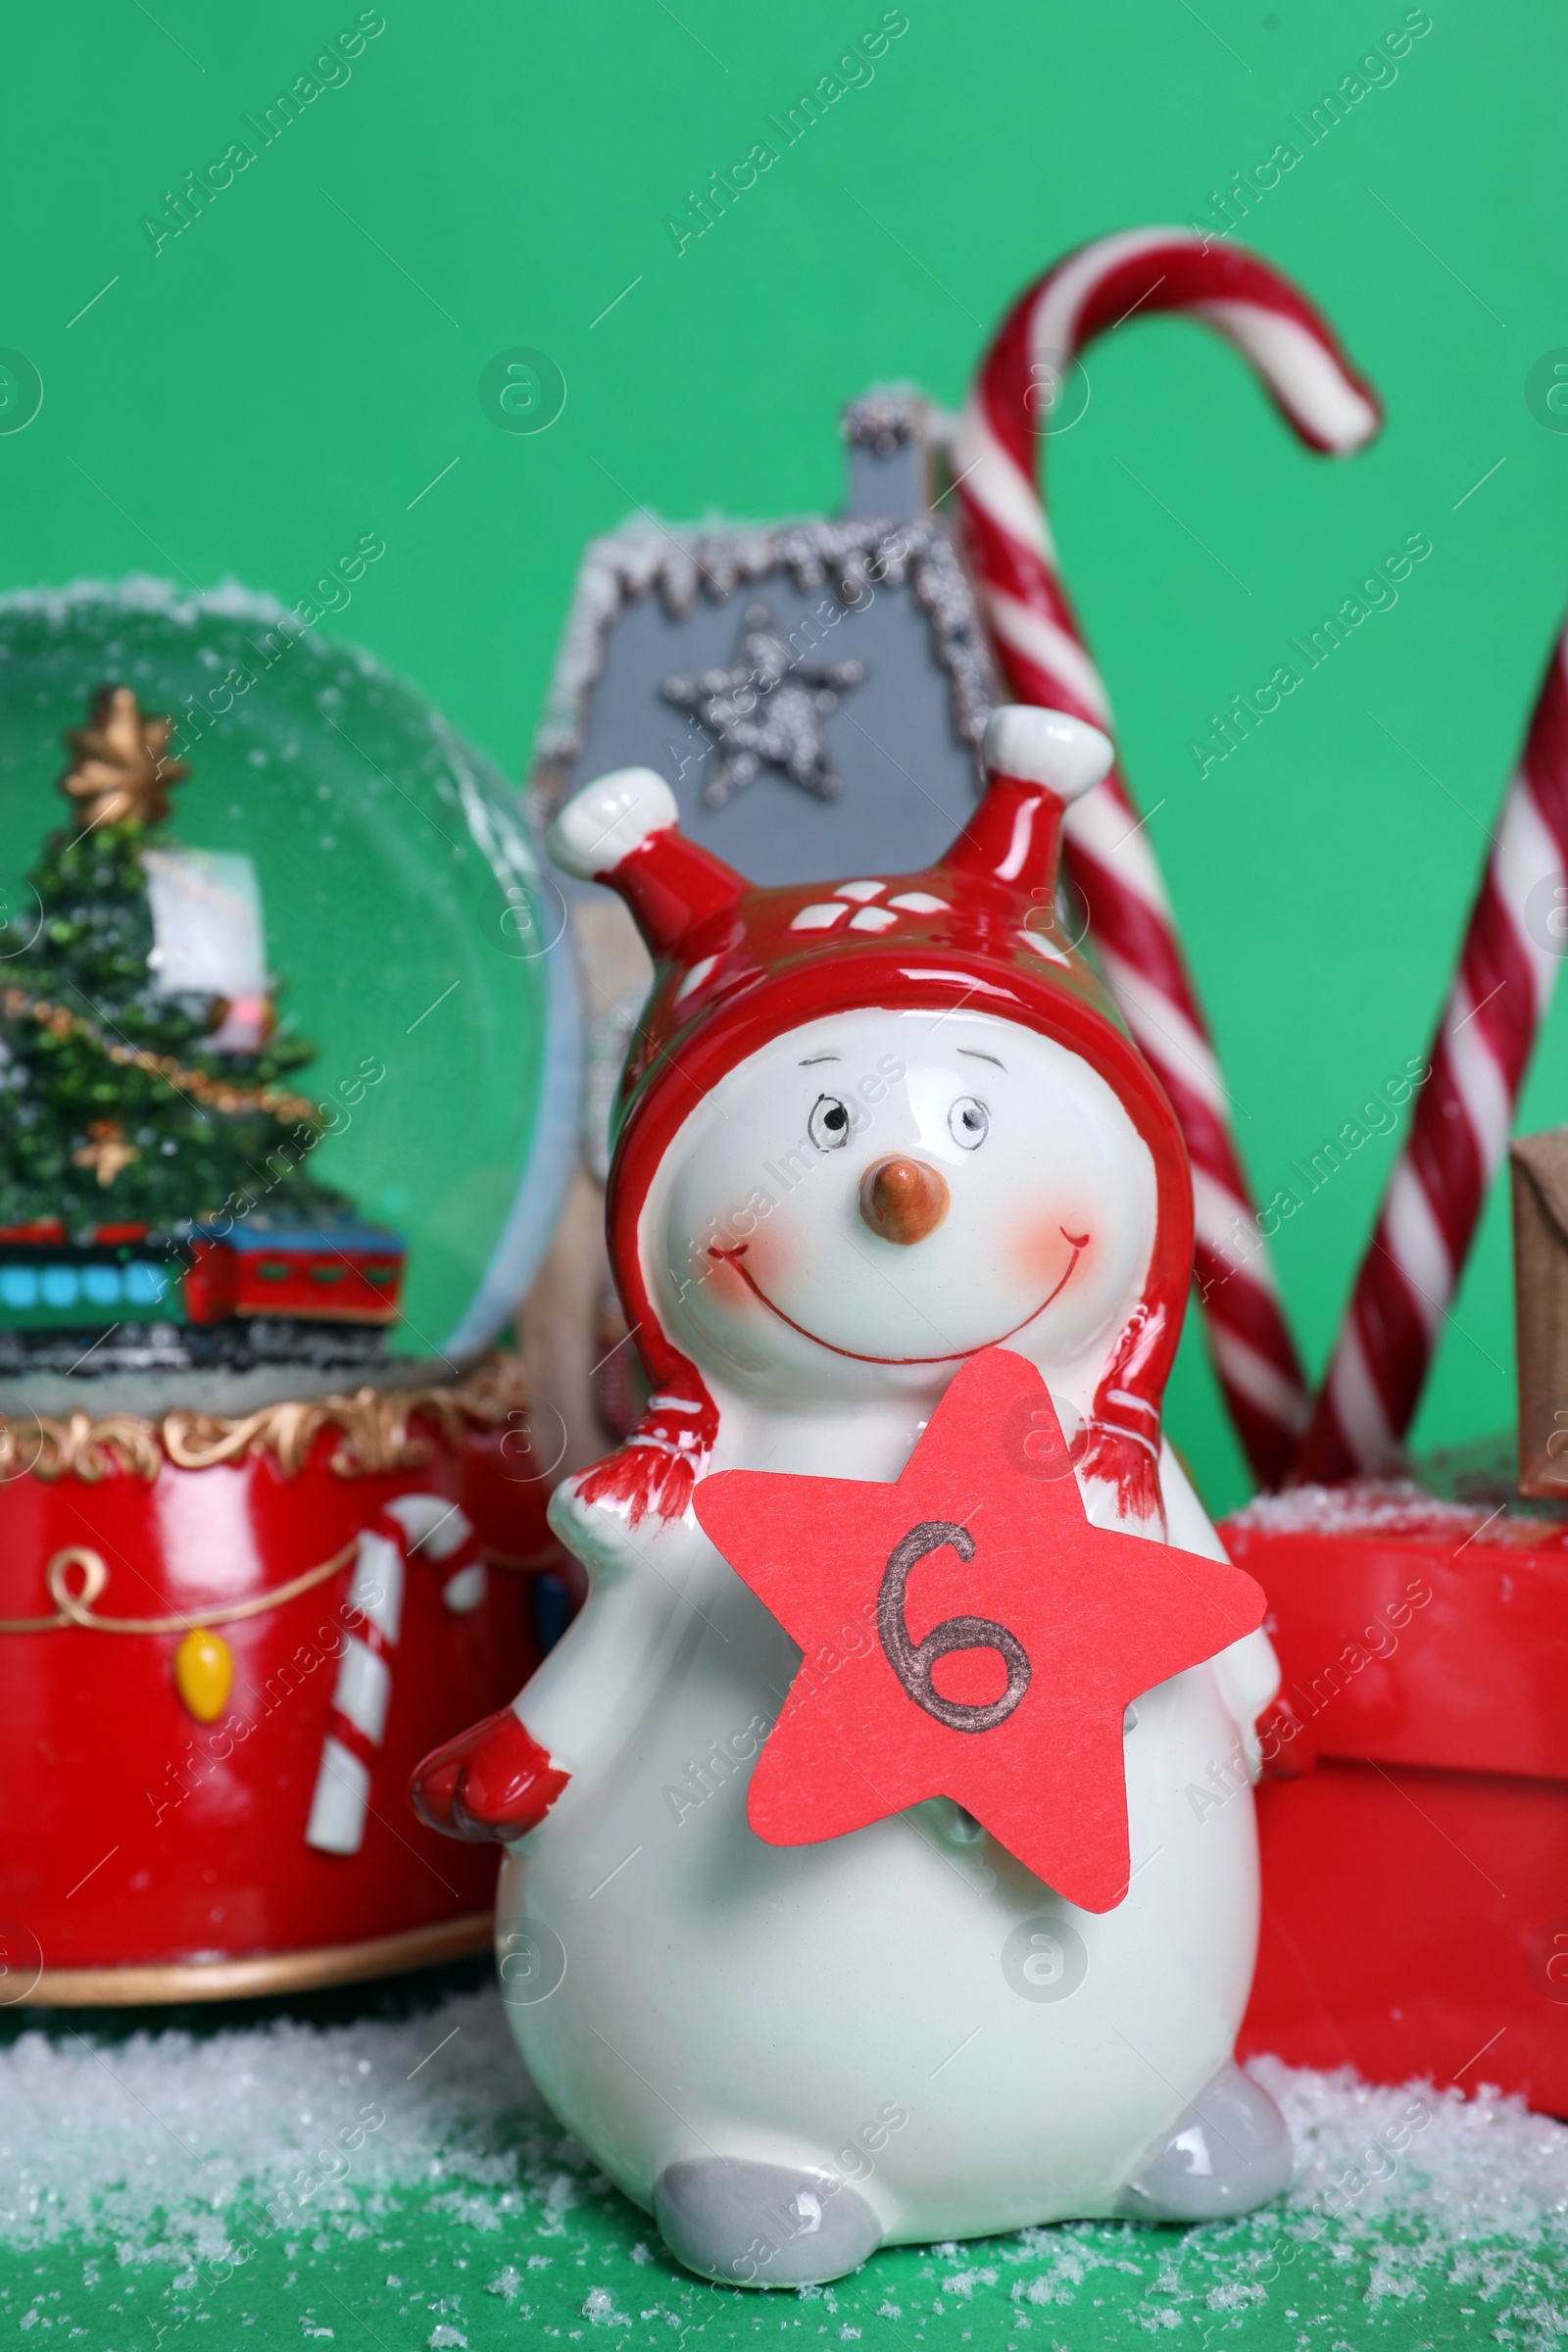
107	1152
120	770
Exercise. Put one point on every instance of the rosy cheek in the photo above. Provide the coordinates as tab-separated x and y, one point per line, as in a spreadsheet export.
724	1281
1044	1246
733	1272
769	1259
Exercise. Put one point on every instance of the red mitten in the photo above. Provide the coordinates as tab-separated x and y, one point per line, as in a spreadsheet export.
493	1780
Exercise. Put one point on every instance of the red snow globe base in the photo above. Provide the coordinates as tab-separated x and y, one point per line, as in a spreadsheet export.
226	1645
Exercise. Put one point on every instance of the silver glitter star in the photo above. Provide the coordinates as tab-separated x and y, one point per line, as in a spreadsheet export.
767	711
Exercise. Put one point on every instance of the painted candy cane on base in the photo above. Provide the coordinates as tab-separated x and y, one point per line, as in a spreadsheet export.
431	1528
1044	658
1461	1119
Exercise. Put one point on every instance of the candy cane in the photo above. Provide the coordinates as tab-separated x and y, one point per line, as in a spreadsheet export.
1045	659
1506	973
433	1527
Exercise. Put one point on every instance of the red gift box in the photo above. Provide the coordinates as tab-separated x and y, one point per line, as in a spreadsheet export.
1414	1817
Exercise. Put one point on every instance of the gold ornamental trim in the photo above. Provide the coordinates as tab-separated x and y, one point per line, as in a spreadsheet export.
74	1606
79	1446
266	1973
375	1425
213	1093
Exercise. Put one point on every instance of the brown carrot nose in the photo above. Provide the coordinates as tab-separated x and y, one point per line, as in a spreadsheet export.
902	1199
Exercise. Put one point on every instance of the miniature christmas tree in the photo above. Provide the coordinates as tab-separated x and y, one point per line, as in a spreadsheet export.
133	1094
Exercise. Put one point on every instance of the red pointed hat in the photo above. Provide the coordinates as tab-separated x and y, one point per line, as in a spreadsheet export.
736	965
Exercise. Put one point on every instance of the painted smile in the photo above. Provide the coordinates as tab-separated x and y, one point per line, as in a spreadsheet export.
1077	1244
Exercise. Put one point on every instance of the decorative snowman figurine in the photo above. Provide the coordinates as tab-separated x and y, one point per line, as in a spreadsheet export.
868	1133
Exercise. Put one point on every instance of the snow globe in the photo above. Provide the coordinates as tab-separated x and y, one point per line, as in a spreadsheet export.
288	1056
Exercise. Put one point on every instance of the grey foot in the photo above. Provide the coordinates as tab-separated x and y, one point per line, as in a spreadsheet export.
1227	2152
761	2224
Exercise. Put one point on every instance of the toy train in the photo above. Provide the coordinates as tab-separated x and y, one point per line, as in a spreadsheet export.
274	1278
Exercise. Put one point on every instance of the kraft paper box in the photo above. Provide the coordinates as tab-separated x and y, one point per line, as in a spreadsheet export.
1540	1287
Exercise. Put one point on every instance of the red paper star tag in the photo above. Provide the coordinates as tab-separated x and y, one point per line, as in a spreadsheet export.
967	1634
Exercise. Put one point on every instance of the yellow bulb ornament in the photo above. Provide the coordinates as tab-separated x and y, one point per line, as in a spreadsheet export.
204	1673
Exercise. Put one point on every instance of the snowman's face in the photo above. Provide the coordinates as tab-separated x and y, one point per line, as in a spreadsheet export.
872	1197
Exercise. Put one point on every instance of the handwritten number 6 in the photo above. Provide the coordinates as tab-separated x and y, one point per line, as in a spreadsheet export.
913	1661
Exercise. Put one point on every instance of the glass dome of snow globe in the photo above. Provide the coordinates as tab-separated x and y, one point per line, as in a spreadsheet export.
288	1038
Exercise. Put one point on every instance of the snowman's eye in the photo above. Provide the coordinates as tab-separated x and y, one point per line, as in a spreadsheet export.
969	1122
829	1124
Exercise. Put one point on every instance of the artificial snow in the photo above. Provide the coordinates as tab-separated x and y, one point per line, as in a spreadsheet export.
1455	2170
175	2149
142	592
152	2142
1384	1506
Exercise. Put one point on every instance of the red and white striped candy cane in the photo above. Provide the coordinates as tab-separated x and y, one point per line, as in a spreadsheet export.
431	1528
1044	658
1508	972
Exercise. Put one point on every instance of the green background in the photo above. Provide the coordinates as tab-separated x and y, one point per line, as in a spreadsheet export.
297	366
